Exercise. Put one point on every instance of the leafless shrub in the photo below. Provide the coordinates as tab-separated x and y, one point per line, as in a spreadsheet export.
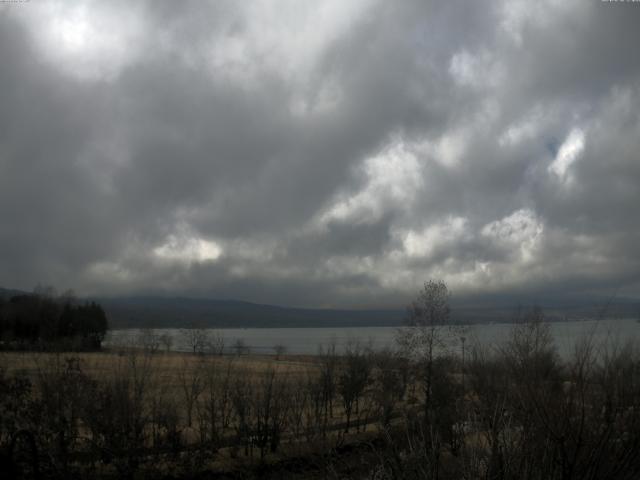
166	340
148	340
299	406
241	347
191	378
165	424
327	380
16	415
60	385
390	384
241	395
196	338
355	377
270	411
316	413
215	343
279	350
215	409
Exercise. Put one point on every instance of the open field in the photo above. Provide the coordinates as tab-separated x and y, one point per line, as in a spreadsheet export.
165	364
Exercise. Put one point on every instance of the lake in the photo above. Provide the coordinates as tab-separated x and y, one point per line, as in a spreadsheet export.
308	340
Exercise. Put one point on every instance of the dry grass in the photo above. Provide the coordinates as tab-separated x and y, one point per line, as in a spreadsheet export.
166	364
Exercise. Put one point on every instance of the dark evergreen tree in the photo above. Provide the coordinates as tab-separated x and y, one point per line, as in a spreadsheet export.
26	320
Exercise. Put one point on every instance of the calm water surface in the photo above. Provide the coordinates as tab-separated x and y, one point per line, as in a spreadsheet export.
308	340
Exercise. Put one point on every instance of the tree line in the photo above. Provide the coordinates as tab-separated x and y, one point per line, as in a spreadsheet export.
42	320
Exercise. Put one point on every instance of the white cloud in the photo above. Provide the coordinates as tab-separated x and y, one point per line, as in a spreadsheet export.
448	149
112	270
424	243
567	155
393	179
479	70
516	15
524	129
282	38
324	100
184	247
86	40
520	232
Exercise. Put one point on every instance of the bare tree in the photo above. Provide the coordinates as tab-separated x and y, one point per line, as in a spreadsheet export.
196	338
242	393
215	409
166	340
192	383
148	340
279	349
299	406
428	332
328	380
313	407
118	414
427	335
269	411
354	379
241	347
390	372
215	343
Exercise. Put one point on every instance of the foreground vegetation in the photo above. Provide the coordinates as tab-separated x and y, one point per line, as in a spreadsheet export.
514	411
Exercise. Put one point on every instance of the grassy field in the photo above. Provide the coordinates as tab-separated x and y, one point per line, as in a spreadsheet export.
165	364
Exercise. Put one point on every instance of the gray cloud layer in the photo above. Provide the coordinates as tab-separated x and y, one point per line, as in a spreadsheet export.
322	153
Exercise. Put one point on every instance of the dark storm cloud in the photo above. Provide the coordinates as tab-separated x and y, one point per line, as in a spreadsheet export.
324	154
48	197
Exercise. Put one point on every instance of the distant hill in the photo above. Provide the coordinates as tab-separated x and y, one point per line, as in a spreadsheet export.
177	312
159	312
6	293
499	309
180	312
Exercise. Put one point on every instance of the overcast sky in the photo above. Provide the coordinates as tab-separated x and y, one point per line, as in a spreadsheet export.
324	153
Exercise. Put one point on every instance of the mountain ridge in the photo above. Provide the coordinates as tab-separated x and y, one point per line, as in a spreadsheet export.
152	311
